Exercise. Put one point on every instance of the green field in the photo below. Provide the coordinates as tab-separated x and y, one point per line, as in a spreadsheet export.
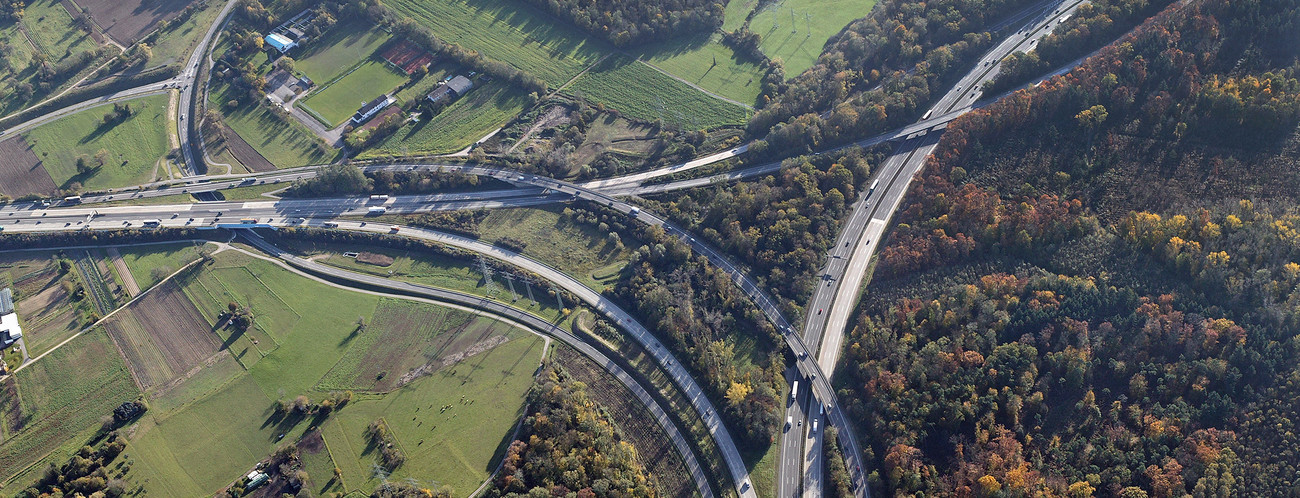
148	262
456	447
63	397
458	125
52	30
510	32
135	145
285	144
637	90
175	42
580	250
797	39
180	451
342	47
693	59
338	100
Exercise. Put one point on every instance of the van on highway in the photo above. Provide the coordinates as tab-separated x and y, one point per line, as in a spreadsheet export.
76	199
248	221
330	224
813	430
152	223
634	212
789	421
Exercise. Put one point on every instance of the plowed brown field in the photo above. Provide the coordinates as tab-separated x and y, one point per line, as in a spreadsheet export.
162	336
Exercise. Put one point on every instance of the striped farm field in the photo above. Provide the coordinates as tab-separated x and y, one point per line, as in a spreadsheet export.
639	91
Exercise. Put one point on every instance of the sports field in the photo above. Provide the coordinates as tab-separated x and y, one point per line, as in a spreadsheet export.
704	61
458	126
284	143
134	145
347	43
339	100
510	32
639	91
796	30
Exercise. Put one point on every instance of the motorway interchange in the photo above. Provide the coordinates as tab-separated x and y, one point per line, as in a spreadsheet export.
815	345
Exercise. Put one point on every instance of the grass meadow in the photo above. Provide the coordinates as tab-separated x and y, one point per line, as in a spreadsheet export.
55	35
63	397
178	40
284	143
135	145
509	31
796	30
704	61
148	262
339	99
459	125
580	250
638	91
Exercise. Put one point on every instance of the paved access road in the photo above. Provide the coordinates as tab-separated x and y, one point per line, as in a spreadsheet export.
526	319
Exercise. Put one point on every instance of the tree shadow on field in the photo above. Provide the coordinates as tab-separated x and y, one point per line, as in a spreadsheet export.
500	452
282	421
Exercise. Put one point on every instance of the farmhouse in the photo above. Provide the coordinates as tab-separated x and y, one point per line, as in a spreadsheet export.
452	88
280	42
372	107
10	332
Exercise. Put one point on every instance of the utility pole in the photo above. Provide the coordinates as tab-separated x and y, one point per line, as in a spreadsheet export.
510	280
528	284
488	283
559	303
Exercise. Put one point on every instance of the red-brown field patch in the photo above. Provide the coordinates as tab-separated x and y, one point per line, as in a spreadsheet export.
371	258
128	20
21	172
407	56
162	336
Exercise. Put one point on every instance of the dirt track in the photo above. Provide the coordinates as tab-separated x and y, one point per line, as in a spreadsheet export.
128	280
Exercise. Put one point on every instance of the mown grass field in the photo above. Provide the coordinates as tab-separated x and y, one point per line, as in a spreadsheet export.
285	144
797	39
693	59
148	262
458	125
337	101
135	145
63	397
510	32
343	46
639	91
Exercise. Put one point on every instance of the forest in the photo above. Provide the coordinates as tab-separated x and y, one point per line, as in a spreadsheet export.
1093	289
569	446
628	22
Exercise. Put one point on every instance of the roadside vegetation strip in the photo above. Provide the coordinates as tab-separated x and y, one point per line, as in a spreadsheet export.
641	92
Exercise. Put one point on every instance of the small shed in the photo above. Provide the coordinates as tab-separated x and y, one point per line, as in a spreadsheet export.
455	87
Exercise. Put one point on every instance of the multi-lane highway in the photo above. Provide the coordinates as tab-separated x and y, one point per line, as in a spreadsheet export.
832	302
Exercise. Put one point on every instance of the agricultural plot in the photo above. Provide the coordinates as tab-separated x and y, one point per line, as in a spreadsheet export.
282	143
342	47
49	315
640	92
21	172
63	397
455	446
459	125
510	32
795	31
336	101
704	61
162	336
11	411
130	150
149	264
128	20
410	340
